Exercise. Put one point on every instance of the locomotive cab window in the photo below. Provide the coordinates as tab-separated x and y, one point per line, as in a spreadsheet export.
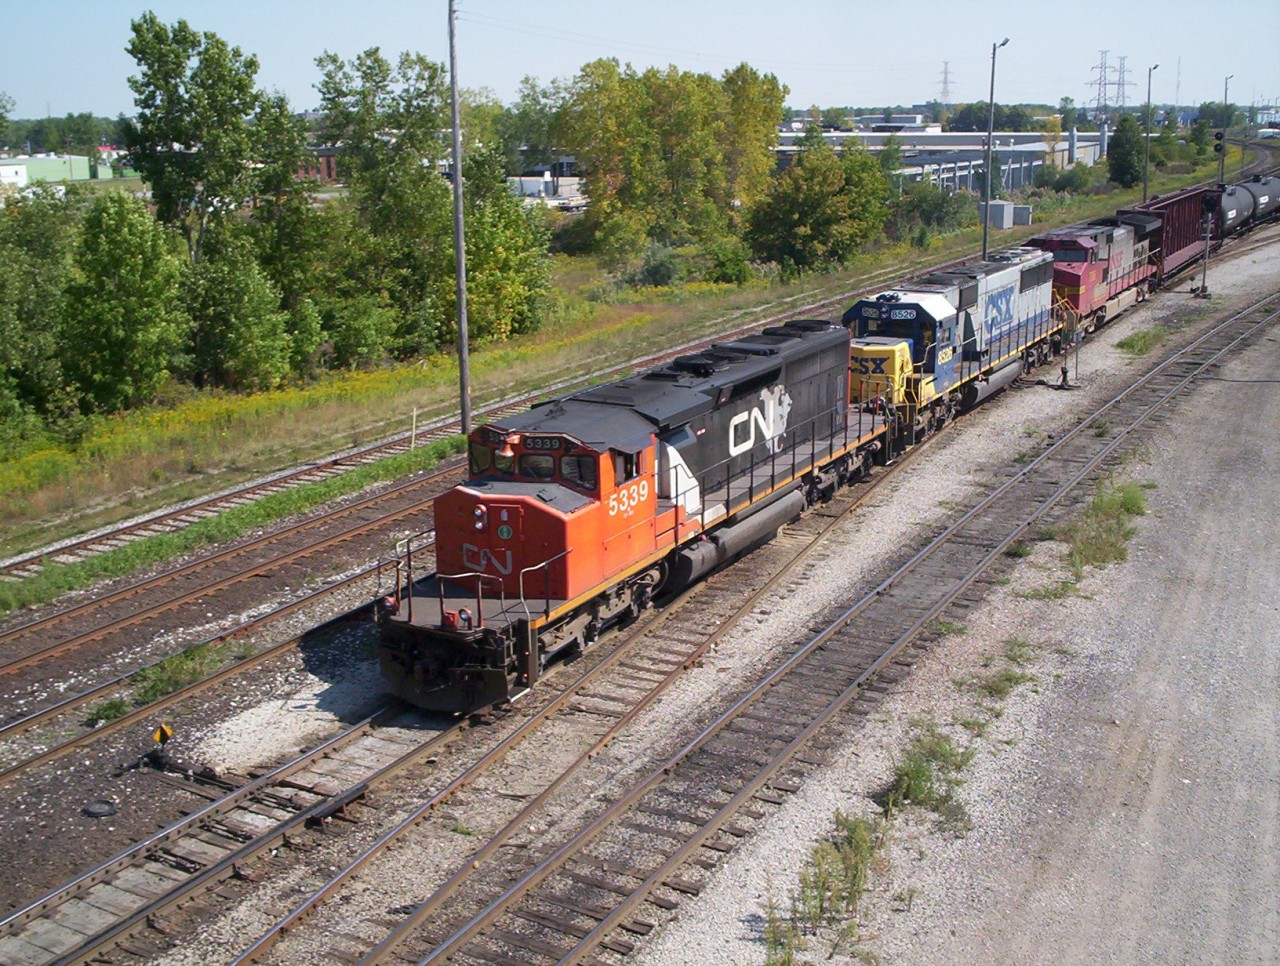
504	464
538	466
626	466
481	458
579	471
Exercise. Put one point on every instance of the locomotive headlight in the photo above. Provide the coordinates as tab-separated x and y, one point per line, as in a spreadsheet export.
480	513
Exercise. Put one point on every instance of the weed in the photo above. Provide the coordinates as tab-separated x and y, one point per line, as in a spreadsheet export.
462	829
943	628
1101	430
1141	342
927	775
1062	589
974	724
782	939
1101	534
108	710
1019	651
1017	549
905	897
174	673
998	685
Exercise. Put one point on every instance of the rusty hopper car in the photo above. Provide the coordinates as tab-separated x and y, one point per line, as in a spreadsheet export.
580	510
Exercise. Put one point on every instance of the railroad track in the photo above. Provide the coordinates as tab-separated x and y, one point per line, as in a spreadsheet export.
598	699
169	521
195	855
580	900
204	848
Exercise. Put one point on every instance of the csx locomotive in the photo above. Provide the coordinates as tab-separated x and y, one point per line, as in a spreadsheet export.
577	513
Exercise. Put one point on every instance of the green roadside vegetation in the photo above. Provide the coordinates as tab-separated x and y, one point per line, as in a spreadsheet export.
56	578
202	441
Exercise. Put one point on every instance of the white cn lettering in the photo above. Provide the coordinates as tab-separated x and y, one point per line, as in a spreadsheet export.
478	559
770	419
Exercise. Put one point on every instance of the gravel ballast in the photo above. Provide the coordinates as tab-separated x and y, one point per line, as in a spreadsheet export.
1123	805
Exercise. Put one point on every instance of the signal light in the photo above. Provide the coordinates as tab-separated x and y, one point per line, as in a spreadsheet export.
1217	146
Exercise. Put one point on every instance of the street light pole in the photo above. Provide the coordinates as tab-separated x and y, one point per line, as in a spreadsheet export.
1226	123
1146	157
991	123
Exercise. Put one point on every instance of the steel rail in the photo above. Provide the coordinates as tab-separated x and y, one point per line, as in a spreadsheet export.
95	633
670	612
585	945
22	725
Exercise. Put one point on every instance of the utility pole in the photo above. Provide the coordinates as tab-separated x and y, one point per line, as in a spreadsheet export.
1146	156
1226	123
459	238
991	123
946	85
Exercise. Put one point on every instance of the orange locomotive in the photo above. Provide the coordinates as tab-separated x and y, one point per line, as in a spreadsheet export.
580	510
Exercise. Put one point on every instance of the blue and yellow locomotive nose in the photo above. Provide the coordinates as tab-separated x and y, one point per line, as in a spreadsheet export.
879	367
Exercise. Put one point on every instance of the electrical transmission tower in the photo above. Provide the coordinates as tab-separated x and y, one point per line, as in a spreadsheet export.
1103	82
1121	84
946	85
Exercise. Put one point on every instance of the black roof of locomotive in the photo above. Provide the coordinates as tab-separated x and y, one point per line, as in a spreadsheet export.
625	413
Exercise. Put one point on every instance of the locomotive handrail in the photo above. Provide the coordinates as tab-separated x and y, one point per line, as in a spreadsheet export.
407	555
480	579
547	593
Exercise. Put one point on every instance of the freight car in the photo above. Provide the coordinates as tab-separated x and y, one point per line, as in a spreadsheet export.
579	511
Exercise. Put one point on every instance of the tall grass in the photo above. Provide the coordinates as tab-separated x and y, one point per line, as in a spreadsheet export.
58	578
198	441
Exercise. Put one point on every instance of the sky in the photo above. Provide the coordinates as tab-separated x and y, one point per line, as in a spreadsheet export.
69	56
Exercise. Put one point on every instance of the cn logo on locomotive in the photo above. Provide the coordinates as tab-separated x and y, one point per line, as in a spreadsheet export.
480	559
771	421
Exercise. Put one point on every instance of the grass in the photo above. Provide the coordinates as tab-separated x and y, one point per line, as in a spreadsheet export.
175	673
1101	535
944	628
1000	684
1017	550
832	882
1059	591
57	578
1141	342
927	775
106	711
194	442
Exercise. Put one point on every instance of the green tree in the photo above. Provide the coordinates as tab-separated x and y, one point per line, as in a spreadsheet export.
481	114
123	327
1199	137
37	237
192	140
819	211
1070	115
6	108
507	262
749	129
529	127
1220	116
240	335
1124	153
